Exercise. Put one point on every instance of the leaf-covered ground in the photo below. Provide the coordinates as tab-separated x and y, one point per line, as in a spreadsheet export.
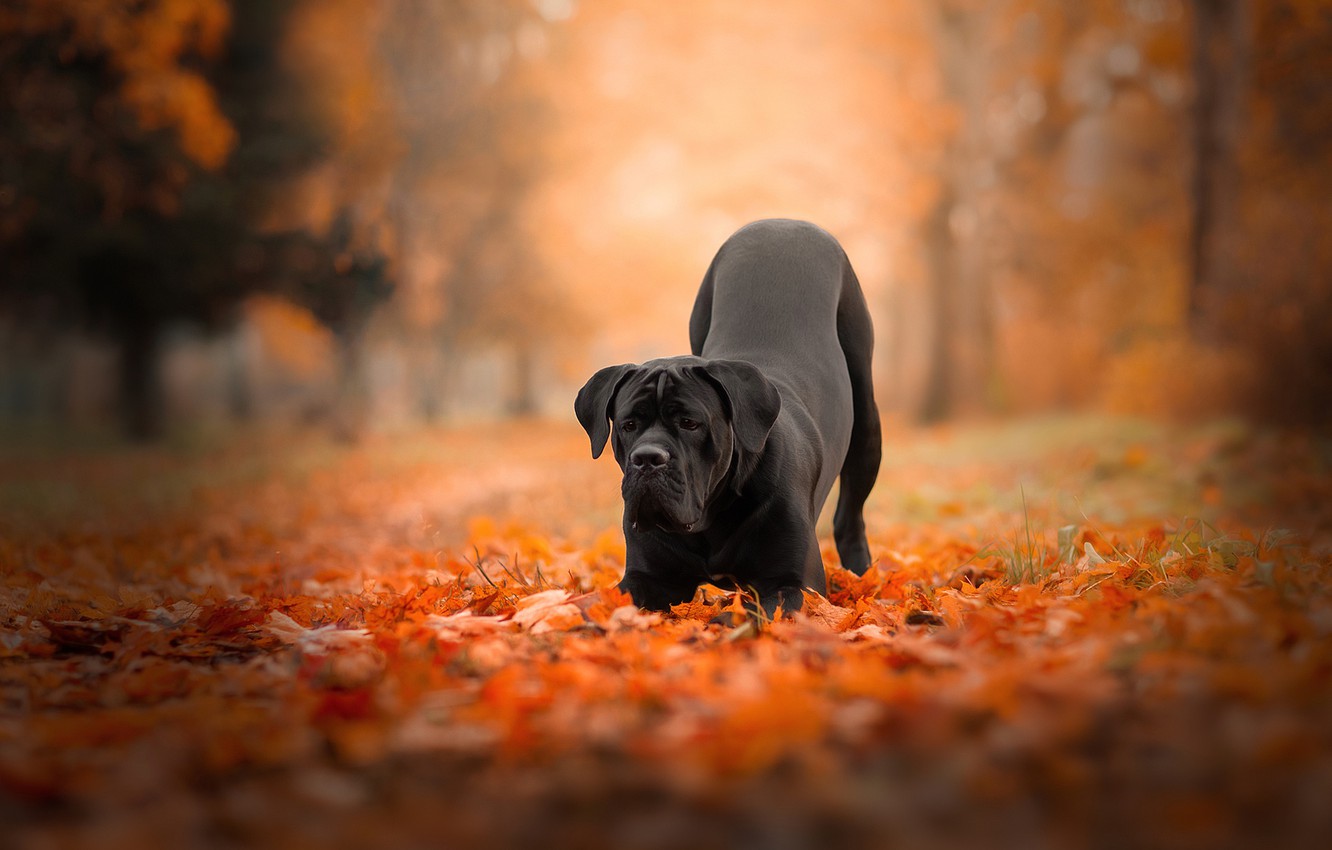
1079	633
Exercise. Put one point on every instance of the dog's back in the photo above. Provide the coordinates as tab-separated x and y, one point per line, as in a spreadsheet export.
770	297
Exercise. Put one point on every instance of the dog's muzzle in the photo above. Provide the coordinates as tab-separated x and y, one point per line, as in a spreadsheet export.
654	490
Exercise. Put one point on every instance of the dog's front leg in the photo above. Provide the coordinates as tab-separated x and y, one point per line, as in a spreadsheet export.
778	558
771	599
788	596
659	587
651	593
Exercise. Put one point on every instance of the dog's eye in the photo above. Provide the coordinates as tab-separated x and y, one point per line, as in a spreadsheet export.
628	425
689	424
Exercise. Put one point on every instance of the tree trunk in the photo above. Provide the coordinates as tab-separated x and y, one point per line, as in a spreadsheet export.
523	396
240	391
1220	38
142	410
434	374
938	402
963	336
350	400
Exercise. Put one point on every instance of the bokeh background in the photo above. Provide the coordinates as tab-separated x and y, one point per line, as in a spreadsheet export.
364	216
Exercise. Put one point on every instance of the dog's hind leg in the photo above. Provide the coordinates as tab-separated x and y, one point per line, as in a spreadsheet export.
860	469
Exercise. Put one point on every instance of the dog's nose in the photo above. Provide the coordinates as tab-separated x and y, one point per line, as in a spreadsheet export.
647	457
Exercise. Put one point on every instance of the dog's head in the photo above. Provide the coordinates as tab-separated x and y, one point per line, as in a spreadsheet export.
685	429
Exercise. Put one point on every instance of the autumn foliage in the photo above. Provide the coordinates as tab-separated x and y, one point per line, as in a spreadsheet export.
340	649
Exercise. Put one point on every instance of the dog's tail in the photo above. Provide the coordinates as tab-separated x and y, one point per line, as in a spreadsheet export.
700	320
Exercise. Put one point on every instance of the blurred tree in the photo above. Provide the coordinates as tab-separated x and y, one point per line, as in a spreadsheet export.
1220	42
438	141
1265	281
140	147
1144	184
106	121
340	277
471	152
1074	166
961	356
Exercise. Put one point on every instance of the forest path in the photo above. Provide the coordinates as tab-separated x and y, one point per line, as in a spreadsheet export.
1079	632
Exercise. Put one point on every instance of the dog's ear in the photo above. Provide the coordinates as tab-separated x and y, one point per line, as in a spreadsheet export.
751	401
593	405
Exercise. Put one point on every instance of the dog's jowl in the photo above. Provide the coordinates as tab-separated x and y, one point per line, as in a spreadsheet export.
729	454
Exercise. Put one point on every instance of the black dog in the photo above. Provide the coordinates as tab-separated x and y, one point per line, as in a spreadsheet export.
728	455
